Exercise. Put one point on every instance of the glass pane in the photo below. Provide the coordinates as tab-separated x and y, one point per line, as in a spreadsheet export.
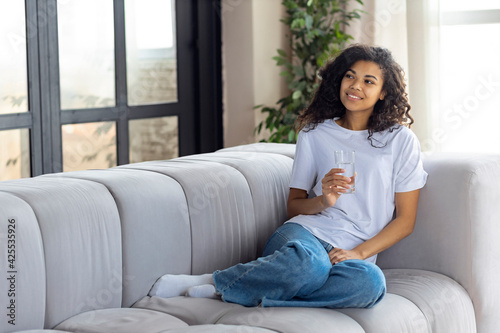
153	139
86	53
13	69
151	51
89	146
470	88
465	5
14	154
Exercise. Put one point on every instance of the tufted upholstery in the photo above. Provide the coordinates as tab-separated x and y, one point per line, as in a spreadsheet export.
90	244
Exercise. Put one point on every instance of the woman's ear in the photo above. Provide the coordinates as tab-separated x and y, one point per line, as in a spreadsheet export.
382	95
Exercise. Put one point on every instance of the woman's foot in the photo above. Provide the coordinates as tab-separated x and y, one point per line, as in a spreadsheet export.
170	285
203	291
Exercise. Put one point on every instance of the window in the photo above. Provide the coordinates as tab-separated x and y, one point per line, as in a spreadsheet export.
15	145
469	77
151	59
99	83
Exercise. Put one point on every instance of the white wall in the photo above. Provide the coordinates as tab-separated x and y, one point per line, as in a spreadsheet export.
251	33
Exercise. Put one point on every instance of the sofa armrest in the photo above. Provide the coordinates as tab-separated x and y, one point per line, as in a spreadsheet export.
457	229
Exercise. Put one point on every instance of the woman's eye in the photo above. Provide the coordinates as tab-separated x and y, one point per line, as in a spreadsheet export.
349	76
369	81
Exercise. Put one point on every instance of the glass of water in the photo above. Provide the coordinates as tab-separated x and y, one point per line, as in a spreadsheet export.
345	160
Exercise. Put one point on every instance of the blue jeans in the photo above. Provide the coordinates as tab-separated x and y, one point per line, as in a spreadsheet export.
295	270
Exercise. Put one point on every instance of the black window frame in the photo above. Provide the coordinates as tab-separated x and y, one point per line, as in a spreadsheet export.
199	109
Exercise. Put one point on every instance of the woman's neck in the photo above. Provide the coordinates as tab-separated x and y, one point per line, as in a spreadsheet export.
353	122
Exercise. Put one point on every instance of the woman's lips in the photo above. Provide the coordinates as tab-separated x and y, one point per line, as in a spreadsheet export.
353	97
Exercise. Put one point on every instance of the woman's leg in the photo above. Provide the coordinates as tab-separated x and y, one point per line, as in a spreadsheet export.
295	264
351	284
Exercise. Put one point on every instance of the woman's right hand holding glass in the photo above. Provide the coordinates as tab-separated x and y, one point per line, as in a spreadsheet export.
333	185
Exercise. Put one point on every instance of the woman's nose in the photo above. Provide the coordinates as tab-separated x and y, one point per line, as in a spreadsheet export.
356	84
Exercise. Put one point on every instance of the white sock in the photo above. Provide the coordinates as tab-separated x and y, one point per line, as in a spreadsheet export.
202	291
177	285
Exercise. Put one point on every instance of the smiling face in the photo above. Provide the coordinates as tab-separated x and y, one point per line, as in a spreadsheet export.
361	87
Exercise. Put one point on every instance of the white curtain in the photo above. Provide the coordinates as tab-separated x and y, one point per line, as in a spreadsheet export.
449	50
423	42
404	27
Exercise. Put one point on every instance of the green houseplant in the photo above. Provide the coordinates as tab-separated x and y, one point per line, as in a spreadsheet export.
316	33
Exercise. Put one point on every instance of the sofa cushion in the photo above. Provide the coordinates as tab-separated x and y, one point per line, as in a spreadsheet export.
22	284
218	329
286	149
194	311
121	320
417	301
43	331
293	320
268	176
156	233
445	304
394	314
220	210
202	311
80	229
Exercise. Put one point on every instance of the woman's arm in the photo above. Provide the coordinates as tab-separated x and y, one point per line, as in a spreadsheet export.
333	185
396	230
298	203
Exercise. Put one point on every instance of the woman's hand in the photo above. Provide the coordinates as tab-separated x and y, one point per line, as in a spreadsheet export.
333	185
337	255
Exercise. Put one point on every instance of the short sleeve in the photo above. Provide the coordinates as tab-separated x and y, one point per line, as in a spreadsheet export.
409	171
304	170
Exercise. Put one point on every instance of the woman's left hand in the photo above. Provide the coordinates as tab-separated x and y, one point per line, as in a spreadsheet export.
338	255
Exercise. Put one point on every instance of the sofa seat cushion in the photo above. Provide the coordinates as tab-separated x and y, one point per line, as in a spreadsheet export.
123	320
43	331
293	320
219	329
201	311
193	311
417	301
395	314
446	305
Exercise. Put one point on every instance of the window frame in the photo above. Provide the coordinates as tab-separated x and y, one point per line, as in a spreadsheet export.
199	106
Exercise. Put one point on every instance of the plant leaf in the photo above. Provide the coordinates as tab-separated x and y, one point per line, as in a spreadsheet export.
282	53
296	94
309	22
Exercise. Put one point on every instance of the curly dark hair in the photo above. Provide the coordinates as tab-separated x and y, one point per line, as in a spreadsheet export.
393	109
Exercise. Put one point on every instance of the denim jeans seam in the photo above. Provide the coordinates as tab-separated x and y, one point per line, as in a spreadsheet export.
228	286
243	275
282	236
248	271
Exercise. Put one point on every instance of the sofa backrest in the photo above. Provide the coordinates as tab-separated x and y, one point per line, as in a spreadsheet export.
234	202
68	253
155	229
22	284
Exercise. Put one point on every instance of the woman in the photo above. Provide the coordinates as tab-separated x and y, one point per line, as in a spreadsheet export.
324	256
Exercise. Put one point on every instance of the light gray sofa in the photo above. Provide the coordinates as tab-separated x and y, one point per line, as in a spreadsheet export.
86	247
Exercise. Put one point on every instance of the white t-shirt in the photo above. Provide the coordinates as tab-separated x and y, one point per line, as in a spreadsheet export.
381	172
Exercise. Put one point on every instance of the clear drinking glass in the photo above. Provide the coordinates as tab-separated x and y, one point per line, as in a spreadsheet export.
345	160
